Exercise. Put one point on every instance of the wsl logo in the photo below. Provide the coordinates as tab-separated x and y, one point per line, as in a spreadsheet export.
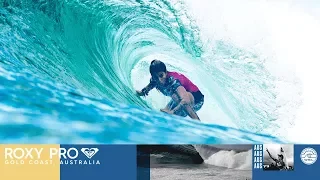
308	156
71	156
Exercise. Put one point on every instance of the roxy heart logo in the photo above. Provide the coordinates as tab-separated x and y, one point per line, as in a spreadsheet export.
89	152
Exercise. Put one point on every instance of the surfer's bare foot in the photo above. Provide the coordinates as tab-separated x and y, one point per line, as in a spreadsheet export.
166	111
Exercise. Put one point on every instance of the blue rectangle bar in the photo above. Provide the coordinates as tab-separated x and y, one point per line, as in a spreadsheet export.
143	163
98	162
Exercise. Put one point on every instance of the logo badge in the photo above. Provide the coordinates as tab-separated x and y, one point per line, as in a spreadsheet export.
308	156
89	152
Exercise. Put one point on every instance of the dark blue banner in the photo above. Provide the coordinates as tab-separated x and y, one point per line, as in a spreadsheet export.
145	162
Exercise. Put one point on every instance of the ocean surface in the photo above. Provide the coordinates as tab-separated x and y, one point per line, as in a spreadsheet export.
69	70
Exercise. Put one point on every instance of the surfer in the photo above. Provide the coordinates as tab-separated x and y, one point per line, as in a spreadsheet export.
186	100
279	162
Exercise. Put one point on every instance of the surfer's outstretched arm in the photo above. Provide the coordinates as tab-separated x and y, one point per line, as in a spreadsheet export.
186	102
145	91
271	156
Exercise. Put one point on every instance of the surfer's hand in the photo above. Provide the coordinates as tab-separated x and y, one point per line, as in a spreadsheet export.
139	93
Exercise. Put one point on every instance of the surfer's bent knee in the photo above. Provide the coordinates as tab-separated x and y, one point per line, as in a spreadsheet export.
190	99
187	100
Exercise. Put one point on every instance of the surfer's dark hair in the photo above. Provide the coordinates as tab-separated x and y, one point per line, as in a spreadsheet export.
157	66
